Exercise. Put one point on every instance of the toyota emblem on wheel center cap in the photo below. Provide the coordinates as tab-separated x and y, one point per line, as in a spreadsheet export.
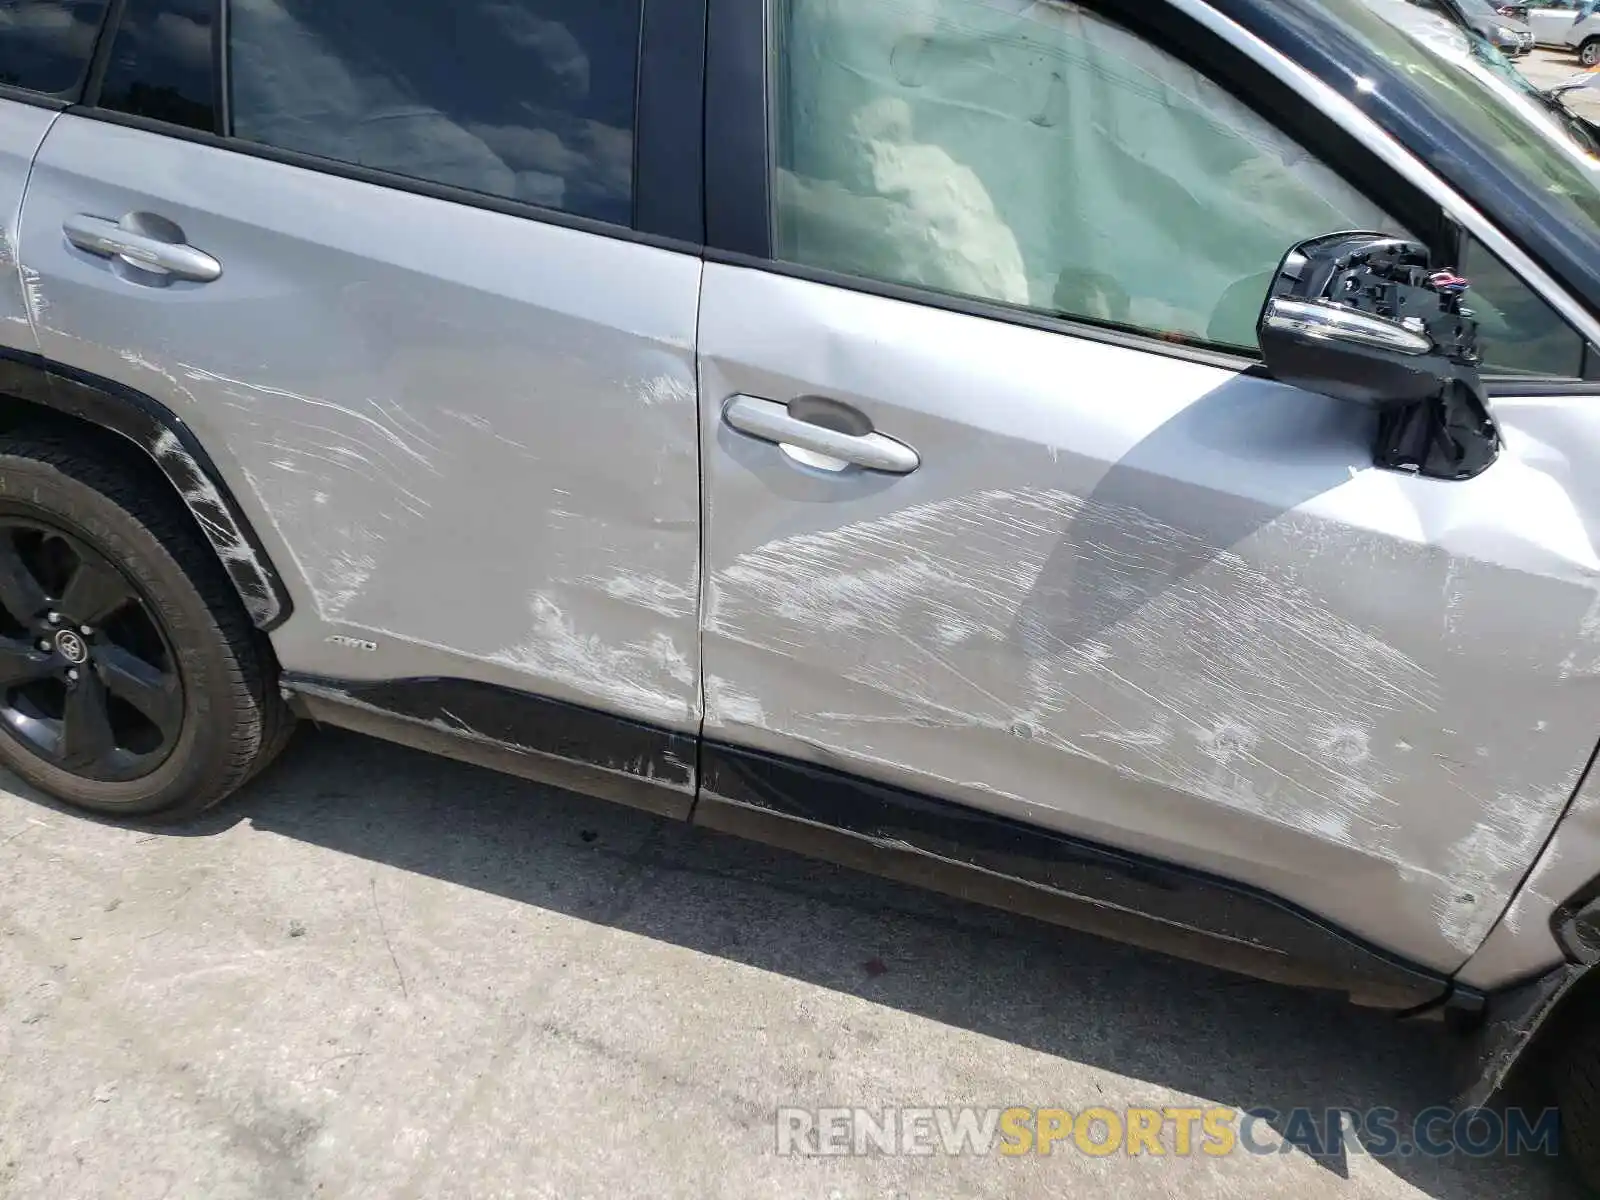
71	647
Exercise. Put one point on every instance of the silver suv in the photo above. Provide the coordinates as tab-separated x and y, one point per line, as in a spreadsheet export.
1138	464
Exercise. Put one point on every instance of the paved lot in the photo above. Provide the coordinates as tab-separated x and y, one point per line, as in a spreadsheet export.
382	974
1546	68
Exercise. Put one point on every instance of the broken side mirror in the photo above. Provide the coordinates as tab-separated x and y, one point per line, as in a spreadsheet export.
1367	318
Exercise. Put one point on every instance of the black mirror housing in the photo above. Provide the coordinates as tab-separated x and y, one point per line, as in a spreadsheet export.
1368	318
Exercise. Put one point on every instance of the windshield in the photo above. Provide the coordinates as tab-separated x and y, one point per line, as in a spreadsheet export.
1477	8
1476	87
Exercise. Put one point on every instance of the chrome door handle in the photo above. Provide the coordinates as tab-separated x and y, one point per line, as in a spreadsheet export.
772	423
150	243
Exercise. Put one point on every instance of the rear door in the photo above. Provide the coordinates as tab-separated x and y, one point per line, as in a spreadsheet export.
1060	553
425	285
45	49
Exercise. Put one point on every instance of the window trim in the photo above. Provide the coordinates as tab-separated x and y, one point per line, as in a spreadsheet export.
669	121
22	95
221	70
738	135
1512	387
740	140
668	182
1074	327
1202	354
94	78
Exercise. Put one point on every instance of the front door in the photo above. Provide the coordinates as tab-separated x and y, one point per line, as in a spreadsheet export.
1060	555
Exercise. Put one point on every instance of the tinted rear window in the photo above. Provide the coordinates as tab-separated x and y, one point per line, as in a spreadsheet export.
45	45
161	63
531	100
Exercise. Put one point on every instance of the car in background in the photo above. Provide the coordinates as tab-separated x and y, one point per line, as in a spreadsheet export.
1512	37
1550	21
1584	37
1556	24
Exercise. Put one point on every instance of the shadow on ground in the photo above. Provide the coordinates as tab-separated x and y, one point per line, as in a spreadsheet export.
1171	1024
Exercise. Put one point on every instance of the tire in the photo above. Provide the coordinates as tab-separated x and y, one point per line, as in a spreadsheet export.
1578	1096
1589	52
221	718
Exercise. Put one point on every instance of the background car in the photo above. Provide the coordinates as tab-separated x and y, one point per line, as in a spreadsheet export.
1556	24
1551	21
1507	34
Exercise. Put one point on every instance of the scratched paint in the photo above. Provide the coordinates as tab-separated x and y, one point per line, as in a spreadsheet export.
33	295
647	678
726	704
1159	606
251	575
1265	700
351	454
142	363
427	439
22	129
380	471
1522	943
670	598
1228	682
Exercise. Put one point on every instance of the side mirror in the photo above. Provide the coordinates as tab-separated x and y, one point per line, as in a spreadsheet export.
1367	318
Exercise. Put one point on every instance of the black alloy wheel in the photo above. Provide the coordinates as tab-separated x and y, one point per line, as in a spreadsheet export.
89	681
132	681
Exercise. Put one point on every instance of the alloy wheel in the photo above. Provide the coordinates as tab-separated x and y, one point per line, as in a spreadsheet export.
88	679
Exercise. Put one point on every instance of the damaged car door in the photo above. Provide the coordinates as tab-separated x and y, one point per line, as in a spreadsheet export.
423	319
1002	512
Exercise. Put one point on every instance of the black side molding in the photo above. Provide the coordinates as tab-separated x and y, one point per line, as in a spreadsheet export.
992	860
172	446
884	830
533	737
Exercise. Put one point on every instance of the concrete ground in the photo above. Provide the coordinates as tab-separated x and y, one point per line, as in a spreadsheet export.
1546	68
377	973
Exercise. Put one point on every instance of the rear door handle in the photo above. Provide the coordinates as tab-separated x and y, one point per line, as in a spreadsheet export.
142	240
772	423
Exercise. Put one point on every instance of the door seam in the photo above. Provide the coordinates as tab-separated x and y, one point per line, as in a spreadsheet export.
28	302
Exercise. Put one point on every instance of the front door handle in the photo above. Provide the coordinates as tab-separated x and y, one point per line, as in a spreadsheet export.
145	241
772	423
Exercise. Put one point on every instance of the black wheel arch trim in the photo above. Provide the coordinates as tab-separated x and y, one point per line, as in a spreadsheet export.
834	815
172	446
